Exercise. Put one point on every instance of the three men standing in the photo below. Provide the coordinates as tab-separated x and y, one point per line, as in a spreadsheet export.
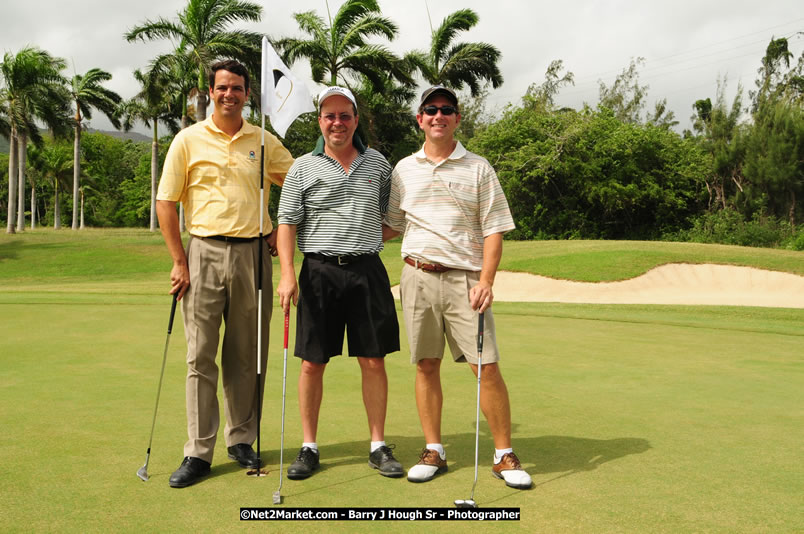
452	210
446	200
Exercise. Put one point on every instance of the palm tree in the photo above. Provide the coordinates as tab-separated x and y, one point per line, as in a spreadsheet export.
54	161
151	105
339	49
178	74
87	92
32	89
459	64
386	123
202	34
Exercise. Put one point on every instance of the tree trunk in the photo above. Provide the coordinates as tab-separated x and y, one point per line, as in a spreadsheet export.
12	175
154	172
33	205
201	107
22	153
82	210
56	207
185	118
76	167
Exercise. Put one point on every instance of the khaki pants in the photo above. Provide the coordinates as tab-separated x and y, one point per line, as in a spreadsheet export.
436	307
223	285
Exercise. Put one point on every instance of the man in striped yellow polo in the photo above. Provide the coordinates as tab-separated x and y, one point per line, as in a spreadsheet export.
452	210
213	168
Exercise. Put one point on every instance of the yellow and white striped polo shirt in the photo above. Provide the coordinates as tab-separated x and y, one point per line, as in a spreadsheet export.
217	178
446	209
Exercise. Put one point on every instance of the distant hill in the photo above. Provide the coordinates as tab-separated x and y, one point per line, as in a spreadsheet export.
134	136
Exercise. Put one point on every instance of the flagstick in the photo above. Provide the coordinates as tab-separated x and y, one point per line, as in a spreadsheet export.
259	472
259	287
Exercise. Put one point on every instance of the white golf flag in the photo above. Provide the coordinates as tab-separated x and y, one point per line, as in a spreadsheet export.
283	97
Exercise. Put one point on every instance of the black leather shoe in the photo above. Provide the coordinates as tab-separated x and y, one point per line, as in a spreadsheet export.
383	460
244	455
306	462
189	472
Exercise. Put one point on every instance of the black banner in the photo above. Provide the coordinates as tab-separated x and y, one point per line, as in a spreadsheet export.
378	514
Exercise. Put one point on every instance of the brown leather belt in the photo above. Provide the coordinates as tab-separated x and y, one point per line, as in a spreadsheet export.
427	267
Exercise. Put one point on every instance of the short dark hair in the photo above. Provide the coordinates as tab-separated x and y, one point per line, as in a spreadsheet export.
229	65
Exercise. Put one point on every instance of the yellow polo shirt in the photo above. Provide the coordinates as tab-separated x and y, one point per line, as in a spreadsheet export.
217	178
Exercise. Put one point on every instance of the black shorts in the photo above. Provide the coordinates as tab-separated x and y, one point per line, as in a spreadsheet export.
357	296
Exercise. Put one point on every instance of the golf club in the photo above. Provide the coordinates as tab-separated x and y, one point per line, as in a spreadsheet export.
470	502
258	472
277	494
142	472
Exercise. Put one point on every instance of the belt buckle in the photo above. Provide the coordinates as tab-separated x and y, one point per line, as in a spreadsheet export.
341	262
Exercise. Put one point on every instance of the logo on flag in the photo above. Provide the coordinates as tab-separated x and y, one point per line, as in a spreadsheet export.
283	97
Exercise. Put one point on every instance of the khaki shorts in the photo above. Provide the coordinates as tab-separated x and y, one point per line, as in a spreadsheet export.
436	306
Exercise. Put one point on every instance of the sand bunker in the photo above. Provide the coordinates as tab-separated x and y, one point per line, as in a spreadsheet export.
676	283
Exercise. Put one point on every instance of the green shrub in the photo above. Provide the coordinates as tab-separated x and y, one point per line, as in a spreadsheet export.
728	227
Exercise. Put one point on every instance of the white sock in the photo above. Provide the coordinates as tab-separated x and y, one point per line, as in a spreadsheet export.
312	445
376	445
437	447
499	453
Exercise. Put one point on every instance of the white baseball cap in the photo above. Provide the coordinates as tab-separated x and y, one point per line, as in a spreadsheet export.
335	90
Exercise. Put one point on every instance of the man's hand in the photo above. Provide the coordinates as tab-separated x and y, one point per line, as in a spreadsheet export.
288	291
481	296
179	279
270	240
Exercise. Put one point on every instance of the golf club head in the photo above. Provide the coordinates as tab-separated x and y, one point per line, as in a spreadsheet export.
277	498
257	473
142	472
465	503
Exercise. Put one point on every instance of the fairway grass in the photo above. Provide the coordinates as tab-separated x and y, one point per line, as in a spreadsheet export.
629	418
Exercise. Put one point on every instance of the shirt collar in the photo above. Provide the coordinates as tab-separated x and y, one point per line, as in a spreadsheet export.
244	127
457	153
356	141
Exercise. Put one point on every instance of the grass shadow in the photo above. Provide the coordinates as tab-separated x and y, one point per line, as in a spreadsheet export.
10	250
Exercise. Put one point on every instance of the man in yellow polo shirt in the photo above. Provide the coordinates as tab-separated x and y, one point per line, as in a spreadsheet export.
213	168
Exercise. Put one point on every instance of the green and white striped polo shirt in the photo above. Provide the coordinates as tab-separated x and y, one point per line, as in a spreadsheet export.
446	209
337	213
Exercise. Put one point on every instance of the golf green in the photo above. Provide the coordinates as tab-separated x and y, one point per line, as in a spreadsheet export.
629	418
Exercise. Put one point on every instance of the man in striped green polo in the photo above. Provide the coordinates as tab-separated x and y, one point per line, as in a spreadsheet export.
333	201
452	210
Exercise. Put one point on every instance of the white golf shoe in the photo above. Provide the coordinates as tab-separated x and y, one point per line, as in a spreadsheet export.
510	470
430	464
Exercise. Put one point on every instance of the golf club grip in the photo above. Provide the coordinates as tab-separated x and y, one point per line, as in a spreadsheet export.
172	312
287	327
480	332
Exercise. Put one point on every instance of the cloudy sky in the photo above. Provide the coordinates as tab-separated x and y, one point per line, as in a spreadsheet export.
687	44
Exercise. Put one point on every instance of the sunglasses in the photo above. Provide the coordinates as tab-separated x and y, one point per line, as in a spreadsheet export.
445	110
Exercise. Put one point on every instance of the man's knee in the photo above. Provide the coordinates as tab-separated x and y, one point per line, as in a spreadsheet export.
312	370
428	366
372	365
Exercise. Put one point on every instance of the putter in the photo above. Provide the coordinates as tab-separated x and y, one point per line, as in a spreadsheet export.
142	472
470	502
258	472
277	494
